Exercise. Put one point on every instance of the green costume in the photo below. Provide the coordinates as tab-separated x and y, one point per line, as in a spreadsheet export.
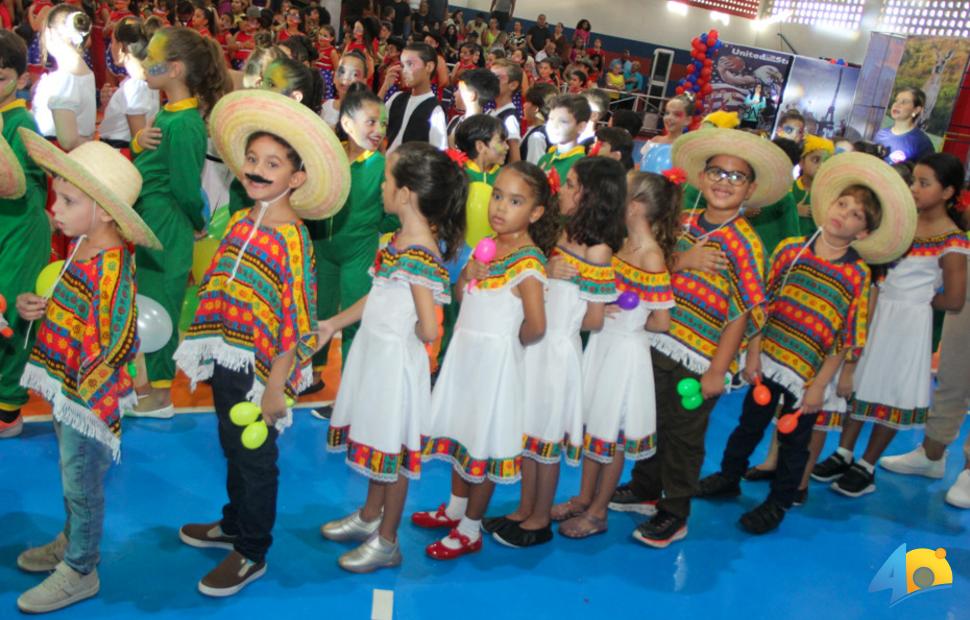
562	162
449	312
25	245
801	195
774	223
346	245
238	198
171	204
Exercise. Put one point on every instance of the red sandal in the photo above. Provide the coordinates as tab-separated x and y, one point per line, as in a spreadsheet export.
434	520
439	551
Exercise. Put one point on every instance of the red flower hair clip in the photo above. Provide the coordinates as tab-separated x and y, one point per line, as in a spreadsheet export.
457	156
595	149
554	183
677	176
963	201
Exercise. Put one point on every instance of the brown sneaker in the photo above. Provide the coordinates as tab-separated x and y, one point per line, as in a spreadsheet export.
231	576
206	536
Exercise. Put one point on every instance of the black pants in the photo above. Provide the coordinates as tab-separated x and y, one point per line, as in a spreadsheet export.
502	17
672	474
252	477
792	447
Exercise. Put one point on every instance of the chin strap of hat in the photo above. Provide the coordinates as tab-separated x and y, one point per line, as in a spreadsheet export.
264	206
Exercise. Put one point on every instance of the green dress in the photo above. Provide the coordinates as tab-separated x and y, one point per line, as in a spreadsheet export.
171	204
801	195
346	244
25	246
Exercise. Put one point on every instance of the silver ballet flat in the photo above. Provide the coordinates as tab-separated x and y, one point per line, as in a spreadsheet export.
349	528
373	554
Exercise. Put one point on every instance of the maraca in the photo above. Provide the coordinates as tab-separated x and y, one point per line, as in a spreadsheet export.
247	414
788	422
760	393
5	330
690	393
628	300
484	253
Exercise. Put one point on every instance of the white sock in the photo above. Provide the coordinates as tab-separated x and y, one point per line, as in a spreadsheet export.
866	466
846	454
466	527
456	507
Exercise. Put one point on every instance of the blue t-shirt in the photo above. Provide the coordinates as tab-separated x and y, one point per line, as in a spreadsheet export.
910	146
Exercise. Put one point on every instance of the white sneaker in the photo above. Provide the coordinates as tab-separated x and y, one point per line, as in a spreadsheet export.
65	586
959	493
915	463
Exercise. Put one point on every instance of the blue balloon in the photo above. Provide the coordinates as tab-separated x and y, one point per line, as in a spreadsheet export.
703	38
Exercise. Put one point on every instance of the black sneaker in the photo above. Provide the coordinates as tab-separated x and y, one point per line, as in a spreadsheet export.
801	497
663	529
831	468
625	500
490	525
322	413
856	482
764	518
314	387
718	486
512	535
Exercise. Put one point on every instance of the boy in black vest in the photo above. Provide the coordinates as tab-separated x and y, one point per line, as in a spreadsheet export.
416	116
509	75
476	89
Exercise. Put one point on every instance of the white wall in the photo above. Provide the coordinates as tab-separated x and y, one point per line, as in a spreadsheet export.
649	20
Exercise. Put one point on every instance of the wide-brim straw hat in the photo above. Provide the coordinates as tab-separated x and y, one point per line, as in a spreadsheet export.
13	183
772	168
102	173
242	113
898	223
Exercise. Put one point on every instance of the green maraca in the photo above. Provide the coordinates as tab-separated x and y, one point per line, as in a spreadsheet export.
690	393
247	414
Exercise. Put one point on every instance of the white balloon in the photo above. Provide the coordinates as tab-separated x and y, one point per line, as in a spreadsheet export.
154	324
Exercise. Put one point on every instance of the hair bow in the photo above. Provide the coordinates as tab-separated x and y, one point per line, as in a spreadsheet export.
677	176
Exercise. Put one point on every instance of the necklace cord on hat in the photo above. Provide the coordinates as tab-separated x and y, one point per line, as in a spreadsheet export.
264	206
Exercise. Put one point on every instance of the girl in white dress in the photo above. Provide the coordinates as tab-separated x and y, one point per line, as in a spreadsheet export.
620	409
893	380
133	105
477	407
594	199
385	389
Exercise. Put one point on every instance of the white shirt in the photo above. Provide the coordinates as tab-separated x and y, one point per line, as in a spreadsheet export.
438	136
132	98
330	114
511	122
536	146
60	90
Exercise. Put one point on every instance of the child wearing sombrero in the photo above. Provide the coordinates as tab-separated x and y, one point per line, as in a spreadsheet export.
254	330
731	168
817	314
25	232
86	337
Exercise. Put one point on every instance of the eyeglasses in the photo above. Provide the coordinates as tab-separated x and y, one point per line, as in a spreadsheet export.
735	178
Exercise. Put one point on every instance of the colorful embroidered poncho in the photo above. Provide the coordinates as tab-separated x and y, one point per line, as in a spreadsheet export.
269	308
84	343
596	282
707	302
822	310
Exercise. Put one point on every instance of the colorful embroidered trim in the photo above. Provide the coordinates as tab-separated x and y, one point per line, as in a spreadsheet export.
596	282
502	470
893	417
953	241
415	265
603	451
515	267
373	463
653	288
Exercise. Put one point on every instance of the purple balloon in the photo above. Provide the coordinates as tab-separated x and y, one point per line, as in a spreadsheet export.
628	300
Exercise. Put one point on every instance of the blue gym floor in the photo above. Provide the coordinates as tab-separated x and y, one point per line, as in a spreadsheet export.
819	564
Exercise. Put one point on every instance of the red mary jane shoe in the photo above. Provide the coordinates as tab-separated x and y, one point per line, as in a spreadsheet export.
439	551
434	520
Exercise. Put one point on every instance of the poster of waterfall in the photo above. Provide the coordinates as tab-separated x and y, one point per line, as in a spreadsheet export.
823	92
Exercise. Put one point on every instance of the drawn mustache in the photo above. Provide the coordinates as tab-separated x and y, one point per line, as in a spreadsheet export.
255	178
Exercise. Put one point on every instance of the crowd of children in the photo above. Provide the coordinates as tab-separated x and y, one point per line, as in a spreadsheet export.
601	310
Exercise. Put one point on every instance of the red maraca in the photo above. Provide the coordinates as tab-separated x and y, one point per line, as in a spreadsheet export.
484	253
5	330
788	422
760	393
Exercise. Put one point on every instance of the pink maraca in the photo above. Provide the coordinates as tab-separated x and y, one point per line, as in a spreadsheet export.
484	253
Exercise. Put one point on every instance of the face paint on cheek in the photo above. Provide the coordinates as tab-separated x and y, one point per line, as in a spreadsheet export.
155	63
10	88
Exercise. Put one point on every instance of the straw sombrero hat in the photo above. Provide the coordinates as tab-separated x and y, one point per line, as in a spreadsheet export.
102	173
13	184
772	168
898	225
240	114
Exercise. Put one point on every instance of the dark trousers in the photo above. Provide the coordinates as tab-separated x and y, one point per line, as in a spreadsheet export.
252	477
672	474
502	17
792	447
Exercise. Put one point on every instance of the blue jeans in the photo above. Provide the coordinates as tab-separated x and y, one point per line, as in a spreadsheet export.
84	462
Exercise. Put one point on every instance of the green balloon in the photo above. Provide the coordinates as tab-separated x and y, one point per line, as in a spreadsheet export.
244	414
254	435
133	369
218	223
692	401
688	387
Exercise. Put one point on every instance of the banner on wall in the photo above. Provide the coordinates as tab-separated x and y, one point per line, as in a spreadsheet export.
823	92
739	73
875	86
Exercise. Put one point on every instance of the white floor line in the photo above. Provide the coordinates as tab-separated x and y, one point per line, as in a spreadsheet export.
382	607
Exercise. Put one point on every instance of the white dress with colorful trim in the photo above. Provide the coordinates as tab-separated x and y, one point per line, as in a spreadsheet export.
553	366
385	388
478	403
618	393
893	380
